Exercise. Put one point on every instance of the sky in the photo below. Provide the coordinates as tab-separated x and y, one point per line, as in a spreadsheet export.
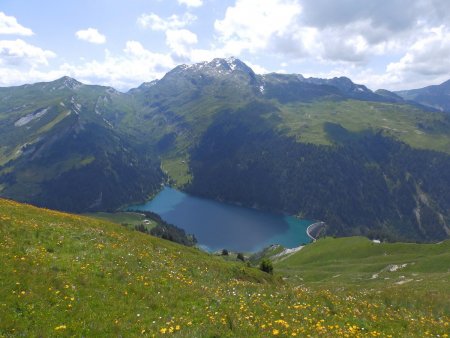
390	44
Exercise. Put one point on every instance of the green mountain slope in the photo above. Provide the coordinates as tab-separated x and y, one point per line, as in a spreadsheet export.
258	146
357	260
323	149
366	184
58	149
69	275
367	163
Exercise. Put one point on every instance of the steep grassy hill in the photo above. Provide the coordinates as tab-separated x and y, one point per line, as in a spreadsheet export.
359	261
65	275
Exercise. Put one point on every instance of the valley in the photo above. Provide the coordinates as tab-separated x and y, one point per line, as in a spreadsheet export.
225	169
224	155
218	226
366	163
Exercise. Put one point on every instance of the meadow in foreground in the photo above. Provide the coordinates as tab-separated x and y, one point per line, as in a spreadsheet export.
67	275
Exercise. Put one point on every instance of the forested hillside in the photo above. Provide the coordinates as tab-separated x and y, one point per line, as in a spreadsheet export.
58	150
367	184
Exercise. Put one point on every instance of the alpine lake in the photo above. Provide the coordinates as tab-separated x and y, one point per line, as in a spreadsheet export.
218	225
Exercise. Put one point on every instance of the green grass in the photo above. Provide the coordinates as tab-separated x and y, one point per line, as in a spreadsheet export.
54	122
68	275
396	270
124	218
178	170
359	254
305	121
39	173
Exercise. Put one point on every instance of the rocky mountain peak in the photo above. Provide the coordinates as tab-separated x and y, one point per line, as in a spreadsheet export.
216	67
62	83
68	82
230	64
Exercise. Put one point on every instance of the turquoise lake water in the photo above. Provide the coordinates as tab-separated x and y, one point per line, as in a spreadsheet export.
219	225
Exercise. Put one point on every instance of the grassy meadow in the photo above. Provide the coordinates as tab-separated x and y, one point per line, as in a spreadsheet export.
130	219
68	275
305	121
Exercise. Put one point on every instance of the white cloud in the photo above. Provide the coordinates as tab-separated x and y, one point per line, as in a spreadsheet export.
426	60
256	68
343	38
20	62
199	54
386	44
15	76
295	29
91	35
17	53
9	25
348	31
191	3
156	23
180	40
299	42
130	69
355	31
250	24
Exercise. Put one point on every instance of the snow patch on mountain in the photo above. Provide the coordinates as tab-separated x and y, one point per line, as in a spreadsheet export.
30	117
216	67
68	82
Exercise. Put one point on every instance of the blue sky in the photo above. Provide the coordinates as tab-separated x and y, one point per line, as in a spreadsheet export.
392	44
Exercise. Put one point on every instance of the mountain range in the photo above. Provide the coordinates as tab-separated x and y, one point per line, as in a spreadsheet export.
437	96
367	163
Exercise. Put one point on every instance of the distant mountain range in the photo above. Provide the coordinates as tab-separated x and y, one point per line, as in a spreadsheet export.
371	163
437	96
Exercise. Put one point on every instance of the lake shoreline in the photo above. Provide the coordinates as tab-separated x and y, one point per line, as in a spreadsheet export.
219	225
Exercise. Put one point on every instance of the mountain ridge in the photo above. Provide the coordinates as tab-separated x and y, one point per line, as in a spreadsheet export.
58	128
435	96
189	128
232	63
